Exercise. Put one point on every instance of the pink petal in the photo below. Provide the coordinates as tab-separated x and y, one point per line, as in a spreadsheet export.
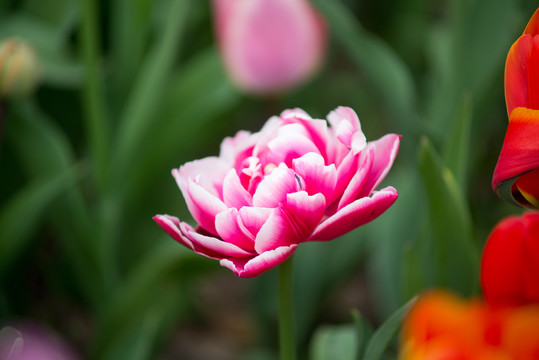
172	226
304	212
203	206
352	191
209	244
251	267
253	218
234	150
318	178
316	130
385	151
231	229
355	214
277	231
292	141
208	173
347	127
273	188
234	194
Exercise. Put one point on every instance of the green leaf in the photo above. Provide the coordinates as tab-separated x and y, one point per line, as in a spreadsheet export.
144	101
363	333
454	256
385	333
24	212
334	342
184	116
457	154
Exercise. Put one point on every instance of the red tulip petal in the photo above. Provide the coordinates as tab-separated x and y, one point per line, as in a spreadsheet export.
528	186
533	25
520	150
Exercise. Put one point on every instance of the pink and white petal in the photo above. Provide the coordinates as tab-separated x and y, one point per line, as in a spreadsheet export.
356	184
212	245
171	225
286	147
315	129
359	142
203	206
305	212
231	229
346	125
273	188
345	172
290	114
251	267
253	218
234	194
385	152
208	172
318	177
277	231
355	214
234	149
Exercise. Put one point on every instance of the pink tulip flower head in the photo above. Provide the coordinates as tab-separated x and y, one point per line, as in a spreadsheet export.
295	180
269	46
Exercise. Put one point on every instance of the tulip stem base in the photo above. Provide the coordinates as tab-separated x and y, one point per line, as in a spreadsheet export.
286	312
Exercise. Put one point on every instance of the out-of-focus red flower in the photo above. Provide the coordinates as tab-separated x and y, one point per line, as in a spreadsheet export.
441	326
510	263
269	45
516	176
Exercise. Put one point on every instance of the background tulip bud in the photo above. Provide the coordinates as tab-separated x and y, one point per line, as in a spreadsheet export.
510	263
269	46
19	68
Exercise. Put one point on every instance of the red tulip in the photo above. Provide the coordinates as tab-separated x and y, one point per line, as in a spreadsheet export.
516	176
510	264
269	46
441	326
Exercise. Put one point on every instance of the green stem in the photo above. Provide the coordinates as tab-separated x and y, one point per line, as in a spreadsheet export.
96	123
286	312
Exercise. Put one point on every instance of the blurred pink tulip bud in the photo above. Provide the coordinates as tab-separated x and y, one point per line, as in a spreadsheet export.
295	180
269	46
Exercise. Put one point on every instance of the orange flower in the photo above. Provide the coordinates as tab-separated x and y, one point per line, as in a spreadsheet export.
510	263
516	176
440	326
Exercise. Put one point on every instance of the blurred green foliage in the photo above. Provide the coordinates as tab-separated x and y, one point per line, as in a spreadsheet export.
132	89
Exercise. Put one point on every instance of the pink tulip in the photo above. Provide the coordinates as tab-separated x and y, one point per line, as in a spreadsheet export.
269	45
296	180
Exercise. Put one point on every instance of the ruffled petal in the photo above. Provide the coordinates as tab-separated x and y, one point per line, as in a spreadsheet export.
254	266
234	194
385	152
316	129
355	214
361	177
208	173
273	188
347	127
203	206
277	231
253	218
318	177
231	229
304	212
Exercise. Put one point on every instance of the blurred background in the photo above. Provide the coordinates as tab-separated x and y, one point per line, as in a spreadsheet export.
114	94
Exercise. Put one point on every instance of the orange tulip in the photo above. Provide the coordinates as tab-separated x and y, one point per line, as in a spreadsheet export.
440	326
510	263
516	176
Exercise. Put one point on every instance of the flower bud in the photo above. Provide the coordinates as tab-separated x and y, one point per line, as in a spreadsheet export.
19	68
269	46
